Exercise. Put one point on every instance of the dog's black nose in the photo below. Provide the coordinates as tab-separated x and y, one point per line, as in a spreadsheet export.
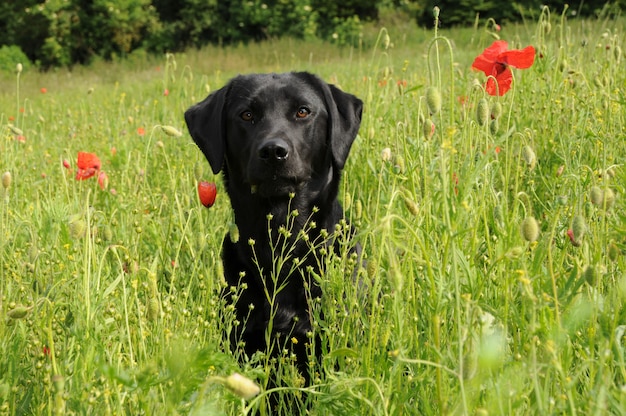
274	151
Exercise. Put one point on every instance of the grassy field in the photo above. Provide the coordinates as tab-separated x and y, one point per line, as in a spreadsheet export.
495	247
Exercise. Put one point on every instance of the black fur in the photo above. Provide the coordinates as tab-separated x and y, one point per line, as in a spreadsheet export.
275	162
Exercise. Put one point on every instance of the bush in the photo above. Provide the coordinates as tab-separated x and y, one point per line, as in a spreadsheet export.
464	12
10	56
65	32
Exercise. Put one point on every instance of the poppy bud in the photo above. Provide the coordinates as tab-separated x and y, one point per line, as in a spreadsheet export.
579	228
608	198
242	386
6	180
19	68
433	100
613	251
590	275
428	128
596	195
207	192
358	209
371	268
18	312
482	111
233	233
153	309
16	130
385	155
494	126
530	229
496	110
77	226
171	131
528	154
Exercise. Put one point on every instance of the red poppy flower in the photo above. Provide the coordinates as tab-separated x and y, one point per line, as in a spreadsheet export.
88	165
207	192
141	131
495	62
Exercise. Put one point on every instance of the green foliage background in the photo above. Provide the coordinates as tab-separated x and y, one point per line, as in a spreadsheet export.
66	32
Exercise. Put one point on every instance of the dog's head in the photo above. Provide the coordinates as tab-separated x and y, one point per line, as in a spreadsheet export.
276	132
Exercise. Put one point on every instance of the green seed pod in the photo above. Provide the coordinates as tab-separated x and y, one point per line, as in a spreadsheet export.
482	111
528	154
18	312
590	275
579	227
530	229
433	99
233	233
496	110
411	206
596	196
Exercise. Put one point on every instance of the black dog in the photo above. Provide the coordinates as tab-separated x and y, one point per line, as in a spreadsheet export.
281	141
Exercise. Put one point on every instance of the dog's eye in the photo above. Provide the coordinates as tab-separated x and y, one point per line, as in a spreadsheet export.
247	116
303	112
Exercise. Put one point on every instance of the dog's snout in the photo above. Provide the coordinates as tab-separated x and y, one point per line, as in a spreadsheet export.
275	150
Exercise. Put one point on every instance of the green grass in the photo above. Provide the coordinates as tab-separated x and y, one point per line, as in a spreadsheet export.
109	299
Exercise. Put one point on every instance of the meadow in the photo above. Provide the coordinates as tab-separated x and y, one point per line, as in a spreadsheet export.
493	229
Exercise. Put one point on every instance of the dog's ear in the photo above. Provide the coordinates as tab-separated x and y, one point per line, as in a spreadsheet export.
206	126
344	111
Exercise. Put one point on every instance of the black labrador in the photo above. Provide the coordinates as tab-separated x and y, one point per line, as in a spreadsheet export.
281	141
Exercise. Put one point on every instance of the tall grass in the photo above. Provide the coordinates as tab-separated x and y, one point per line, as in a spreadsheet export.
110	298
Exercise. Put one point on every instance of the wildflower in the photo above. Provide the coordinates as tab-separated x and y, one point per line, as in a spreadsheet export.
43	90
88	165
166	92
207	192
242	386
66	164
141	131
19	68
495	62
